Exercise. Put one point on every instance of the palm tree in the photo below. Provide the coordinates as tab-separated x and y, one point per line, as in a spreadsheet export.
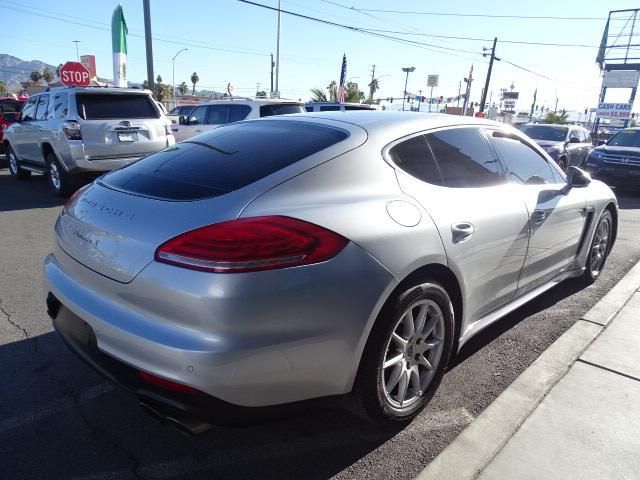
48	75
319	95
183	88
374	86
333	91
36	76
553	117
194	79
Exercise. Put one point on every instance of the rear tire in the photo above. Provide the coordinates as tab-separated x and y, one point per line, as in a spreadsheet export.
599	248
406	355
15	169
62	183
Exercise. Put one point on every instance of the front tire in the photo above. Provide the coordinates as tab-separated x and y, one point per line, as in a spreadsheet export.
15	169
599	248
406	355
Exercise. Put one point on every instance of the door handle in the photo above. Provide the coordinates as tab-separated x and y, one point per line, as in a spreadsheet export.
461	231
538	216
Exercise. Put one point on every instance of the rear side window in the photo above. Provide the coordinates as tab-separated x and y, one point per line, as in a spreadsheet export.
309	109
102	106
355	107
280	109
60	105
330	108
42	106
465	158
525	165
414	157
217	115
223	160
238	112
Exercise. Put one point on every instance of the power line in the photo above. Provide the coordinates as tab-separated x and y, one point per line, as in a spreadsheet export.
482	15
425	46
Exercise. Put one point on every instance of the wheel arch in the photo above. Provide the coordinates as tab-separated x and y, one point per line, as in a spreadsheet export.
614	231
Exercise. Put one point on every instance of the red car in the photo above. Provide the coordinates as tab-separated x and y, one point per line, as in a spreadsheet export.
9	109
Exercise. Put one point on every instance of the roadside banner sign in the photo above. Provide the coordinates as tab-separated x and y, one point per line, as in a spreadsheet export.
621	78
74	73
432	80
620	111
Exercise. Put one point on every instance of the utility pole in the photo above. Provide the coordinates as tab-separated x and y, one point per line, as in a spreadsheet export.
77	52
459	92
272	65
407	70
555	110
486	82
373	77
147	41
420	100
257	88
277	91
468	91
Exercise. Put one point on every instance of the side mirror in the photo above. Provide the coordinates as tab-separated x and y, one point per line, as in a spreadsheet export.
601	142
574	140
182	120
192	121
577	178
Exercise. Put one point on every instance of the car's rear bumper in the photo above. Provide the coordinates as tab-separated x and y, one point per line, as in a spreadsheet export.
250	340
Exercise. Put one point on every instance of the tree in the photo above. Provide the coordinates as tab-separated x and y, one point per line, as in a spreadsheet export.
35	76
194	79
261	93
374	86
48	75
3	88
553	117
161	91
183	88
58	70
352	93
319	95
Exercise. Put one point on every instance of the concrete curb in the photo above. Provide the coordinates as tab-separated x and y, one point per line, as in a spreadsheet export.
476	446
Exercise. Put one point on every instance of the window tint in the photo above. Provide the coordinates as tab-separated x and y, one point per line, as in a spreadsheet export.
199	114
309	109
525	165
238	112
42	106
355	107
102	106
60	105
29	110
465	158
10	106
330	108
280	109
414	157
218	114
225	159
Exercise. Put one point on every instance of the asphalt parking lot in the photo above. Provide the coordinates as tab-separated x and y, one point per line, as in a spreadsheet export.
60	420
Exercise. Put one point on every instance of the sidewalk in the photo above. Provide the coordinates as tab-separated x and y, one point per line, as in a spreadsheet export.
573	414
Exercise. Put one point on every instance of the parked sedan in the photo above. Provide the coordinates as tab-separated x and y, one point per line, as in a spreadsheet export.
617	161
287	261
568	145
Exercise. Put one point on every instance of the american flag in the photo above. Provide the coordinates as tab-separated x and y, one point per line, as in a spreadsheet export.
343	78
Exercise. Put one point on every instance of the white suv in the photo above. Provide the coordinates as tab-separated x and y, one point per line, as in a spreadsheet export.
210	115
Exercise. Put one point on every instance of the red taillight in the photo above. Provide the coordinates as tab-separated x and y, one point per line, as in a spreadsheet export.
252	244
71	130
166	384
73	197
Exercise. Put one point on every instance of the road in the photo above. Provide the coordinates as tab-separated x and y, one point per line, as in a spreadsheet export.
60	420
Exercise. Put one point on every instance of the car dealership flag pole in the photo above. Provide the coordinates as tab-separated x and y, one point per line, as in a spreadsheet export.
119	44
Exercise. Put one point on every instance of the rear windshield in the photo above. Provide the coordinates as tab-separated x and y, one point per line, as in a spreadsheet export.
96	106
10	106
223	160
281	109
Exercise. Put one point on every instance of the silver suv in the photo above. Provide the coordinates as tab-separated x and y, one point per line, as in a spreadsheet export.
70	133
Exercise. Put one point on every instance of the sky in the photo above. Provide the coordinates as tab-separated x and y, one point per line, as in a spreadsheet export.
230	42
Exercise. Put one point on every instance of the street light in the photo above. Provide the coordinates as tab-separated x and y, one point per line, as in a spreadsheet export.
173	80
407	70
77	52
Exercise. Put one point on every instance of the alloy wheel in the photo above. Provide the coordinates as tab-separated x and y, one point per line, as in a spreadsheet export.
413	353
13	162
599	246
54	176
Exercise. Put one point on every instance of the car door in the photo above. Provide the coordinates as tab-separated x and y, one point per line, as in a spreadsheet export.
22	133
556	214
216	115
39	127
585	146
456	176
194	124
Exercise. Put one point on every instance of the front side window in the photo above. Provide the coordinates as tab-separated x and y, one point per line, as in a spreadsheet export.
414	157
524	164
581	136
29	110
42	106
198	116
465	158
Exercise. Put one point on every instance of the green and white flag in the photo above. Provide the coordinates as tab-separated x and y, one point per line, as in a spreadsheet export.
119	44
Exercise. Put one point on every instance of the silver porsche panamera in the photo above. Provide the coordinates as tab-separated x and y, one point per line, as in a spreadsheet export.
340	255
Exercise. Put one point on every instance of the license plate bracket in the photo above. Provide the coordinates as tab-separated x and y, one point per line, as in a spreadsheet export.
127	136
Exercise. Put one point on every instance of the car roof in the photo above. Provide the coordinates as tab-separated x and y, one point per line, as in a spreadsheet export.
114	90
251	101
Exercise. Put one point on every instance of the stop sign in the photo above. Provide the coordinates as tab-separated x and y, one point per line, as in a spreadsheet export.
74	73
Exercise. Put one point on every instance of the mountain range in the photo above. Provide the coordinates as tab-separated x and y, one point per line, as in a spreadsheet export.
14	70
